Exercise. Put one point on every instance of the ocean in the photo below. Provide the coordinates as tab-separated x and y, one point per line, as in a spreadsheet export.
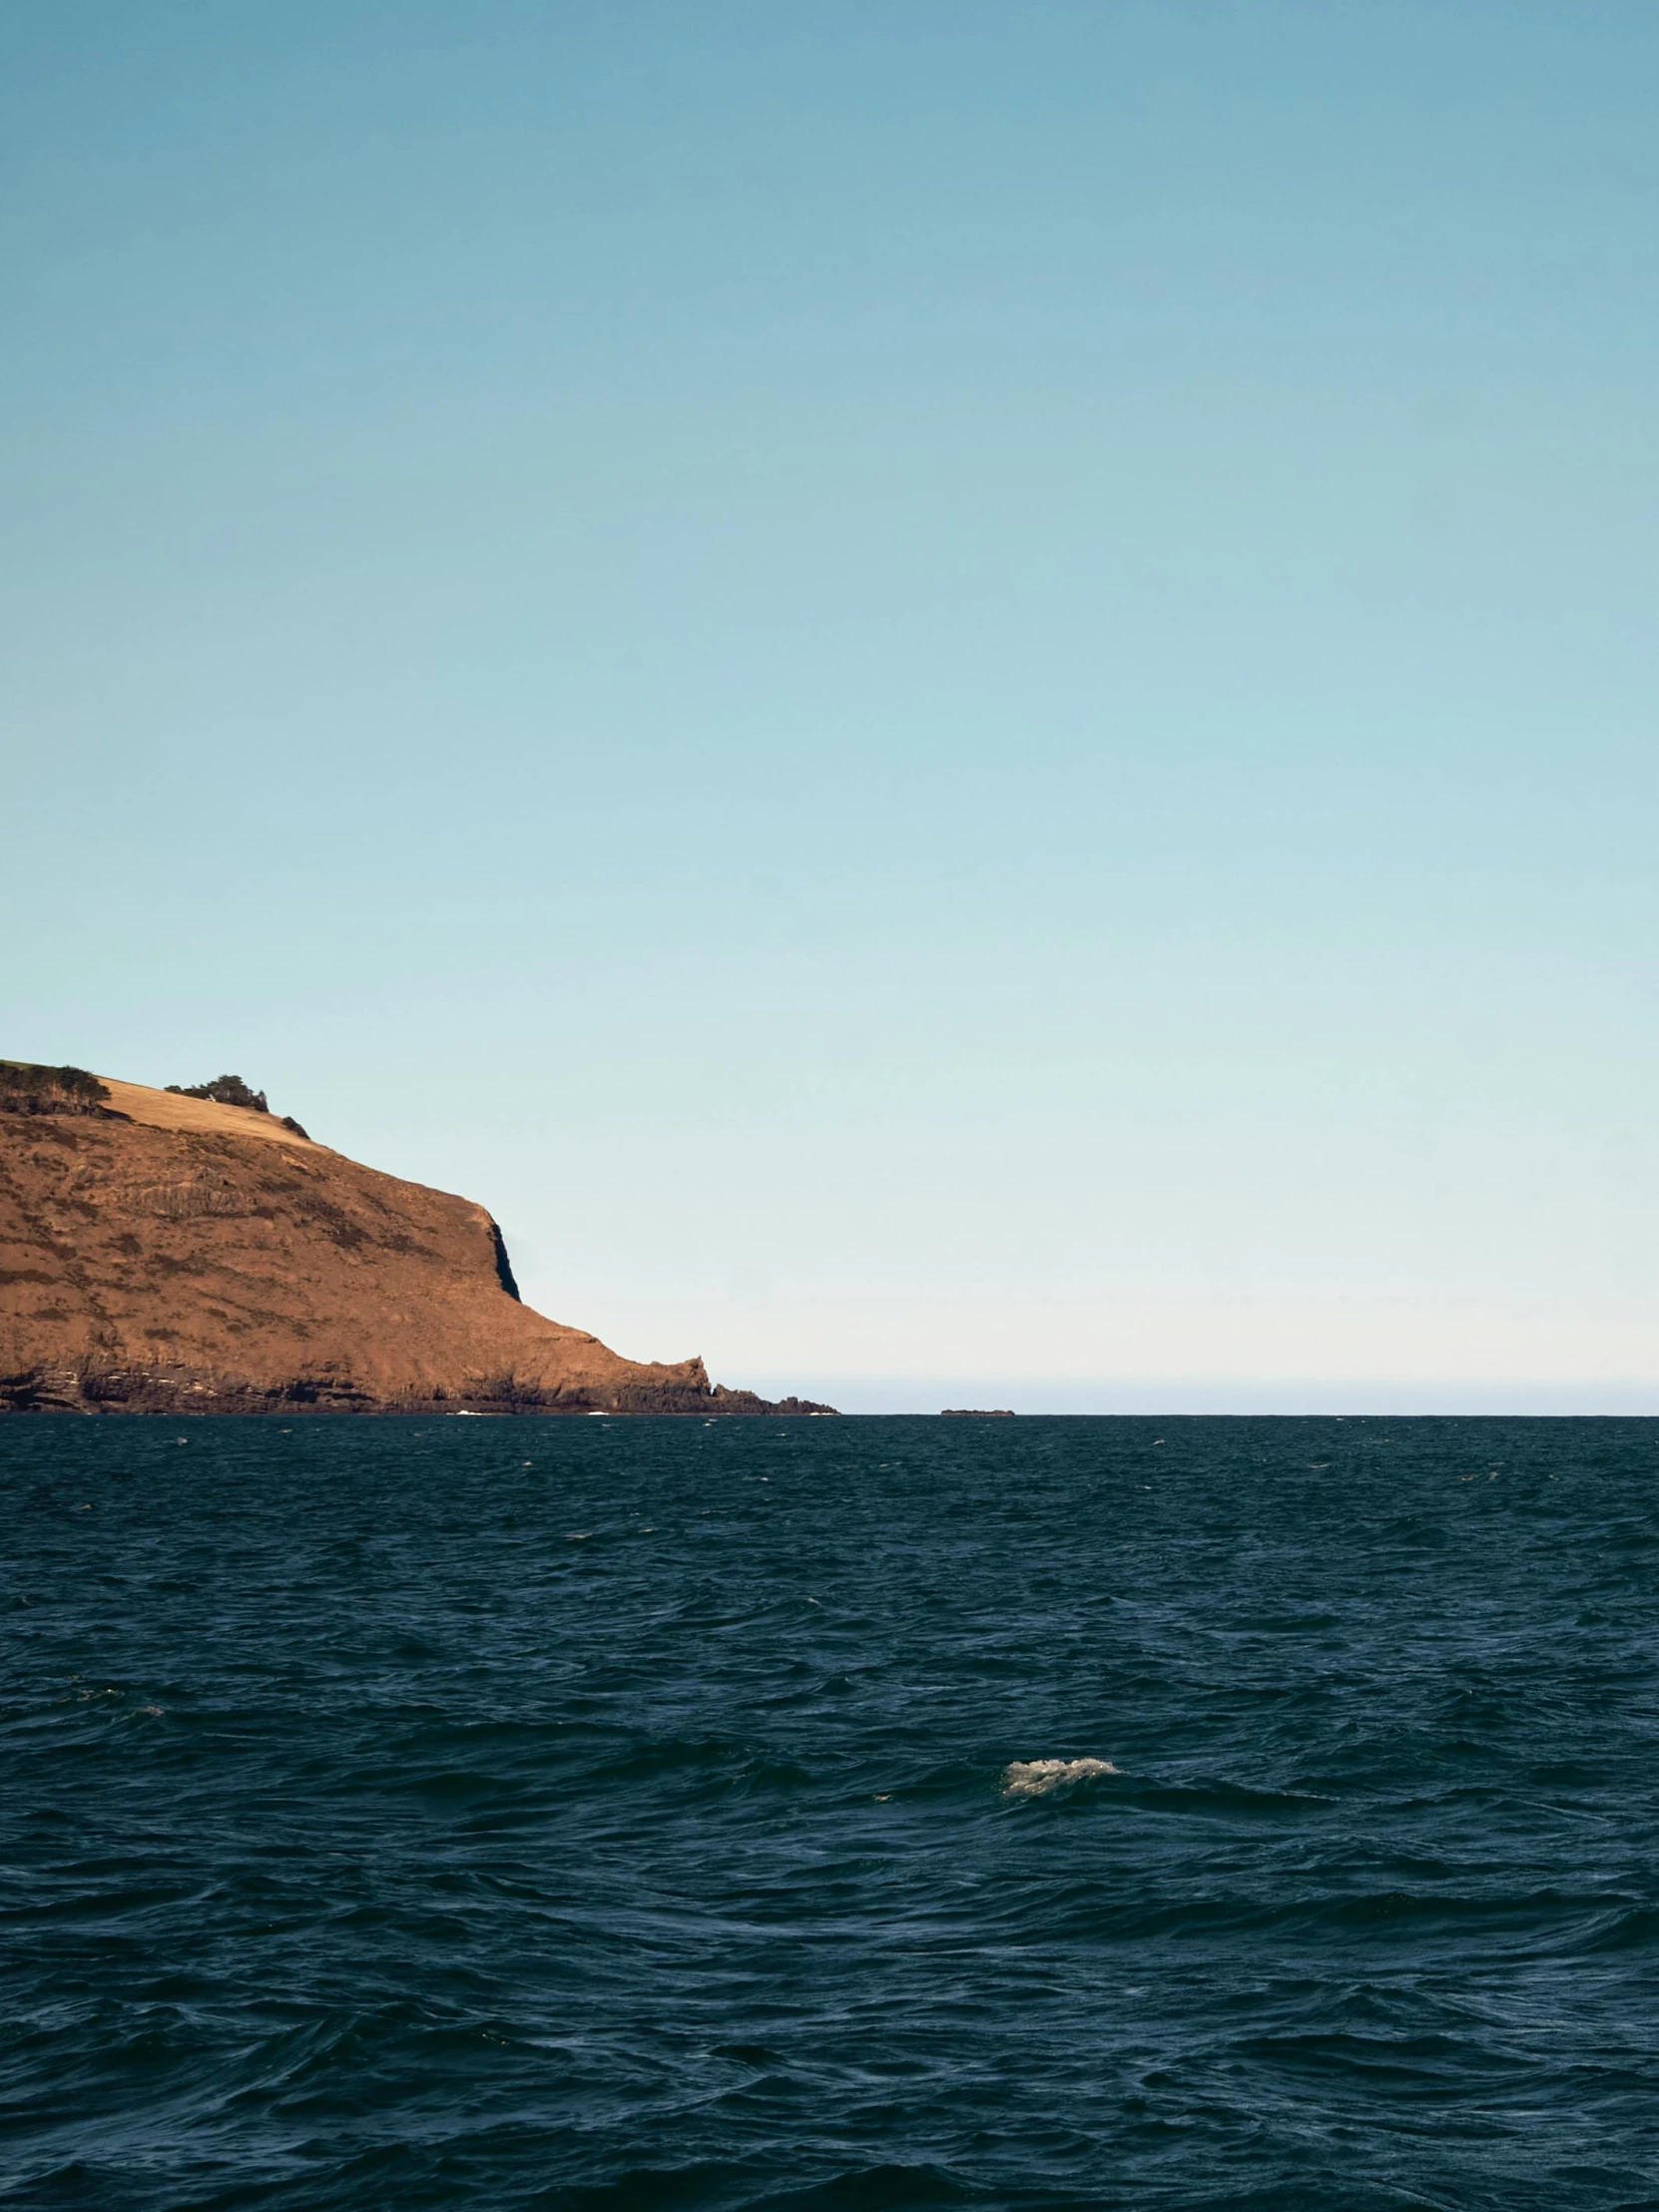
830	1814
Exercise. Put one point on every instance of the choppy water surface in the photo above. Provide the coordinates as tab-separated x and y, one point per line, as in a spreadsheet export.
619	1814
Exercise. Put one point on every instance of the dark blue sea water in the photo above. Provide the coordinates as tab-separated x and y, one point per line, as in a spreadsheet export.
614	1814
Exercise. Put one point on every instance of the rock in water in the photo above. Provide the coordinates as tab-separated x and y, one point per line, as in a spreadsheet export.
1037	1777
163	1253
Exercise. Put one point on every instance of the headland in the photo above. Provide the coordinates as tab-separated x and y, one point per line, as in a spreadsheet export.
187	1251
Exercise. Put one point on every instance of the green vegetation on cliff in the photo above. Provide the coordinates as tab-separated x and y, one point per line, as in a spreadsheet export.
26	1088
230	1090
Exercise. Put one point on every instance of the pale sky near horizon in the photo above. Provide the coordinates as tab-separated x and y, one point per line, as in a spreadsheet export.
959	696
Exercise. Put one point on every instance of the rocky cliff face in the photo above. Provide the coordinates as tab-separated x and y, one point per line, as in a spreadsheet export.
163	1253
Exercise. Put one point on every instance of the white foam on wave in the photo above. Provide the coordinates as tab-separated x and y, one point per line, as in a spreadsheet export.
1036	1777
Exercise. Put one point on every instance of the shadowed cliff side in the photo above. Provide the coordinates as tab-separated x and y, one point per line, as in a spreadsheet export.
167	1252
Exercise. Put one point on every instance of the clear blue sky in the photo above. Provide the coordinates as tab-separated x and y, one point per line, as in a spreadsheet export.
960	696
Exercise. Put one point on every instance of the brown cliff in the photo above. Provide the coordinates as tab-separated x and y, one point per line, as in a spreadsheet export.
167	1252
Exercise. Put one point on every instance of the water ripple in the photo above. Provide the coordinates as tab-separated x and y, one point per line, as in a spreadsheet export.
836	1815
